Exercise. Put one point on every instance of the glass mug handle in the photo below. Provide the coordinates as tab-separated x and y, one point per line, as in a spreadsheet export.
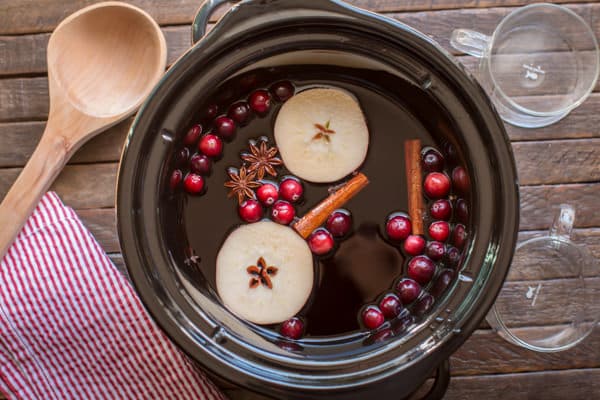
470	42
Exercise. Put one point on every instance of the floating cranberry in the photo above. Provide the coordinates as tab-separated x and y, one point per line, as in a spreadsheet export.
372	317
421	269
390	305
441	209
283	212
443	281
182	156
320	241
268	194
225	127
450	152
260	101
339	223
439	230
291	189
433	161
200	164
282	91
408	290
462	211
250	210
435	250
460	180
452	257
191	137
176	178
293	328
459	236
193	183
239	112
212	111
211	145
414	245
437	185
424	305
398	226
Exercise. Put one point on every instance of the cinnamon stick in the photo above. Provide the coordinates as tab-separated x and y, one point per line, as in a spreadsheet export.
319	214
414	181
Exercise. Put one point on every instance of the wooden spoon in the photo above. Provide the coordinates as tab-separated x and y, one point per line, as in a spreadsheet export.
102	63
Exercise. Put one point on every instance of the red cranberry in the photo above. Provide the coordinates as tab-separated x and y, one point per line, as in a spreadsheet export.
452	257
462	211
320	241
283	212
193	183
225	127
212	111
424	305
408	290
372	317
433	161
439	230
211	145
176	178
200	164
421	269
459	236
339	223
191	137
282	91
435	250
443	281
239	112
182	156
441	209
460	180
390	305
450	152
398	226
260	101
437	185
414	245
293	328
267	194
291	189
250	210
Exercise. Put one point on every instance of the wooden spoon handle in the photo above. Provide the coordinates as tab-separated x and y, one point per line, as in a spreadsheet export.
47	161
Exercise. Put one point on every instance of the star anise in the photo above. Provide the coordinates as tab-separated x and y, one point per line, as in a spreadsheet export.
261	273
262	159
323	132
241	184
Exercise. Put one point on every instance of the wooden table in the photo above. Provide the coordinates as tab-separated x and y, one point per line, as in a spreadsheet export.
557	164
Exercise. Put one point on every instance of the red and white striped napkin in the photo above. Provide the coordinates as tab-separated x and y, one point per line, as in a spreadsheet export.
71	326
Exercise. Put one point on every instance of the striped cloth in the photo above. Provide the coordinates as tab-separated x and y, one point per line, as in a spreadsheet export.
71	326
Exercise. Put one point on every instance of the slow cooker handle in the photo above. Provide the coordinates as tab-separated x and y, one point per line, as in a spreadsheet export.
203	16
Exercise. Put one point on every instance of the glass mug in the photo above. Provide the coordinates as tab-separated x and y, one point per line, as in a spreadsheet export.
540	63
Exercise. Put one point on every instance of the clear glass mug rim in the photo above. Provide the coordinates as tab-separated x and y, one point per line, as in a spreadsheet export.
507	98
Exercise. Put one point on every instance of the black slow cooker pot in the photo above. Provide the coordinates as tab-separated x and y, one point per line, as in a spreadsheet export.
299	31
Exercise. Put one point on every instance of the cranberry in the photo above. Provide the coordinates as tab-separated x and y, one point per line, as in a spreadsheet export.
283	212
424	305
450	152
250	210
408	290
462	211
390	305
382	336
293	328
398	226
421	269
192	135
193	183
435	250
320	241
176	178
268	194
452	257
459	236
437	185
439	230
182	156
260	101
339	223
225	127
372	317
433	161
200	164
291	189
460	180
442	282
441	209
414	245
282	91
212	111
239	112
211	145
